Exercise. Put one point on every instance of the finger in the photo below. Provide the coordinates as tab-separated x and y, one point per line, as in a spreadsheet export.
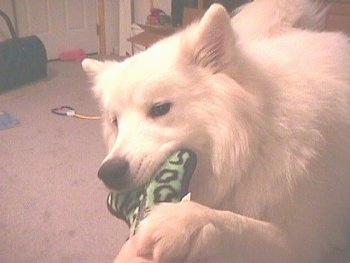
128	254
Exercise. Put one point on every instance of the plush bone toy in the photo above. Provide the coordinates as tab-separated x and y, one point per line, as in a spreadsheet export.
169	184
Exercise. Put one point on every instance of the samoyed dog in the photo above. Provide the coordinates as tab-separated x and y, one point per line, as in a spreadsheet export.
263	101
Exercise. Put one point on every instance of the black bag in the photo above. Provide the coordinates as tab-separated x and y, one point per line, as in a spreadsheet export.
22	60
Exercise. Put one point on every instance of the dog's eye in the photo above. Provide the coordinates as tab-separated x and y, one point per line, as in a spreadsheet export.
160	109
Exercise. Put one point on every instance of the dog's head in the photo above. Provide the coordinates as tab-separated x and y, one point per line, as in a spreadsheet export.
176	94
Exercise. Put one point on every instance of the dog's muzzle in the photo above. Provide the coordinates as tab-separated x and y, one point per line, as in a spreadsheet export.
114	173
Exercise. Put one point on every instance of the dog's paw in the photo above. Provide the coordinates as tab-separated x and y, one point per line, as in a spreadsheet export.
181	232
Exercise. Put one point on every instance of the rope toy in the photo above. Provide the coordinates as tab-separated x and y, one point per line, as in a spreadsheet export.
169	184
70	112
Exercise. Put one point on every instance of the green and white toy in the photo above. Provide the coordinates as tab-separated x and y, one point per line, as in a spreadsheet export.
169	184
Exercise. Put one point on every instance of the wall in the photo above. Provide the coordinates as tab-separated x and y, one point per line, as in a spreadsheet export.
141	11
7	7
124	27
112	8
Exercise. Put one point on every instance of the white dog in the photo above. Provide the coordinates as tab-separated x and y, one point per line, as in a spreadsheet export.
264	102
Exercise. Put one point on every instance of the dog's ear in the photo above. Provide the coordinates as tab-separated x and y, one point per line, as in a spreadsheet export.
210	44
91	66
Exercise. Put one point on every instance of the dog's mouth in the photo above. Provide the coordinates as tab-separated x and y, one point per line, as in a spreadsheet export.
170	183
117	175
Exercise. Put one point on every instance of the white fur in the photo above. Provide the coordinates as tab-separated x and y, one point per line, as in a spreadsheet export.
268	116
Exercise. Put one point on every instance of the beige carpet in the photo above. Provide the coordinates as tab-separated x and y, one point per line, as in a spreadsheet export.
52	205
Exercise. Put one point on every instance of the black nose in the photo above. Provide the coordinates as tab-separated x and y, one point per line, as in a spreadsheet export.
114	173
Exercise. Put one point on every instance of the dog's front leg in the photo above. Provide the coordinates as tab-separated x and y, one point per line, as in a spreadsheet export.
189	232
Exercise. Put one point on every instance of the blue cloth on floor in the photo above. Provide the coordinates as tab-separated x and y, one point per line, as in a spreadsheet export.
7	120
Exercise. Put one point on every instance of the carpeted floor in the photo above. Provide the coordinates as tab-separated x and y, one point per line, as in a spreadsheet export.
53	207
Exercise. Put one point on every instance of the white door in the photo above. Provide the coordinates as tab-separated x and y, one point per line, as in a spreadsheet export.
62	25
